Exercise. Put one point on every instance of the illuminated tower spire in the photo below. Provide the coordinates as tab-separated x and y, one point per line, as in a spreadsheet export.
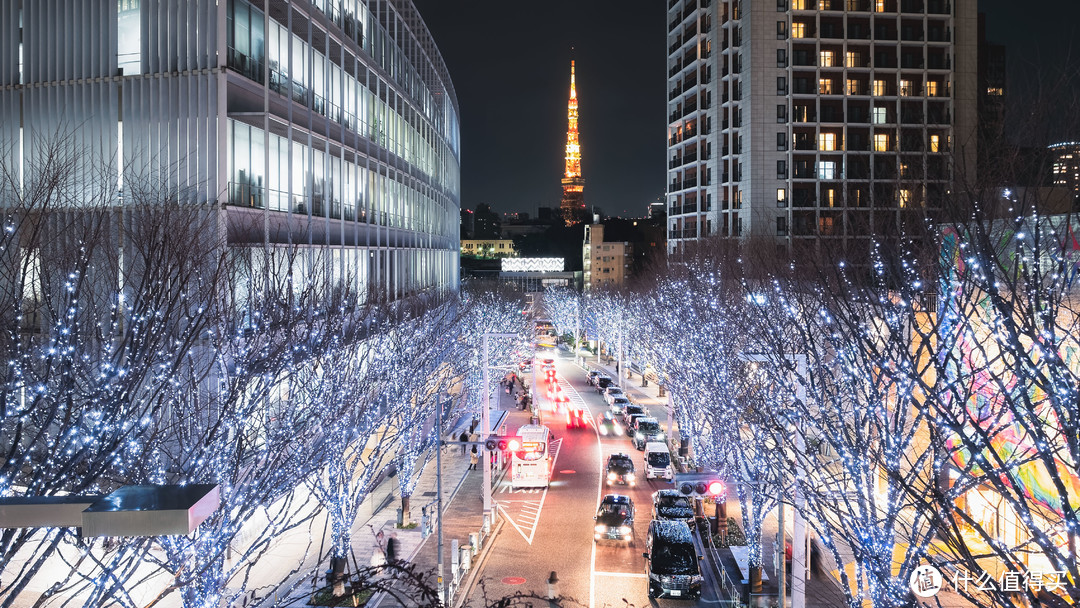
573	198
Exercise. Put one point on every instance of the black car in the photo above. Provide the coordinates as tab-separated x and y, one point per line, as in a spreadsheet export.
592	377
672	561
672	505
607	426
620	469
602	382
630	410
614	518
645	430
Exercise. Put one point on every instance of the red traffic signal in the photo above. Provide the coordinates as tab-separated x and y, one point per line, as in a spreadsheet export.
699	485
503	443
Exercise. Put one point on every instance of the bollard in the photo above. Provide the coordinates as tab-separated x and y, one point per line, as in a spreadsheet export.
466	558
552	581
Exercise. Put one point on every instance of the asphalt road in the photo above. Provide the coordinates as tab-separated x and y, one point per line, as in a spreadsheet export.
551	531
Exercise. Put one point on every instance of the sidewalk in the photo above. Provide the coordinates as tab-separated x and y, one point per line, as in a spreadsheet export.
463	509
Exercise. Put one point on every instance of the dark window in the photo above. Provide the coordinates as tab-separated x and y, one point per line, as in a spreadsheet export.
781	85
781	141
781	30
781	169
781	113
781	58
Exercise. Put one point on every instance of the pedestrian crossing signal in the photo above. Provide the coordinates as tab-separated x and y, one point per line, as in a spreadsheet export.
503	443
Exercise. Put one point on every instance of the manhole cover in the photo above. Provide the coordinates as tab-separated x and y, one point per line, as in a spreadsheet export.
513	580
567	472
428	494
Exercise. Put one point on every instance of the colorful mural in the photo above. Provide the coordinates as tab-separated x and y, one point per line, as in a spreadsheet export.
994	393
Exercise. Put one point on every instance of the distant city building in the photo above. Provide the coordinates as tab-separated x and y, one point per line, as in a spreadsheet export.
814	120
515	217
572	206
1066	165
657	210
486	223
467	223
605	263
488	248
991	95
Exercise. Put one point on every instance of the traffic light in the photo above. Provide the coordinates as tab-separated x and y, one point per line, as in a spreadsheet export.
503	443
700	485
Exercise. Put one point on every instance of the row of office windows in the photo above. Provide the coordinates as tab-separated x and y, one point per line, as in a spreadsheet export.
361	103
268	171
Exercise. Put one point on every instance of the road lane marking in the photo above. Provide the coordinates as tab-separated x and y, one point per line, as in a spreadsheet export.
535	506
622	574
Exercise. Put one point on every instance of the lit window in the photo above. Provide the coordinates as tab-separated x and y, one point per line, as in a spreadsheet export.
907	89
853	87
881	142
853	59
995	91
879	6
798	5
798	30
879	88
826	170
905	198
781	197
931	88
827	142
879	116
828	59
935	143
824	86
830	197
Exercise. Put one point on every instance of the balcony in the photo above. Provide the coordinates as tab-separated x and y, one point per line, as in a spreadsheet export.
248	66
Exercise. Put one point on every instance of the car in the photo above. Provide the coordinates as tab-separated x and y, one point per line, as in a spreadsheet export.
620	469
603	381
591	378
575	417
630	410
629	424
606	425
672	505
611	392
646	429
671	561
547	362
618	404
525	366
614	519
549	374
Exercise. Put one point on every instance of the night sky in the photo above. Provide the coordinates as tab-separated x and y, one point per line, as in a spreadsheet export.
510	64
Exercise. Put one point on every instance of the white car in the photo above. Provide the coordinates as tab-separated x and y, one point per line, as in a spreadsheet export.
611	392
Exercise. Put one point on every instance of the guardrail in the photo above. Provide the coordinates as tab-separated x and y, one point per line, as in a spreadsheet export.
727	586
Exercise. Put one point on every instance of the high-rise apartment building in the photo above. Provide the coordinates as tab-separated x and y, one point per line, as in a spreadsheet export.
814	120
1065	168
327	124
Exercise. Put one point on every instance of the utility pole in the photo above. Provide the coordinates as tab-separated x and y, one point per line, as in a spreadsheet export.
485	420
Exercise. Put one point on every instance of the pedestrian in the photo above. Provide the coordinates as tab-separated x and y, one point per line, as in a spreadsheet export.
472	426
473	437
391	549
464	441
474	459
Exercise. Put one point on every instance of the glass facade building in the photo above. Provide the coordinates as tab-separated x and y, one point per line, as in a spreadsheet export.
328	124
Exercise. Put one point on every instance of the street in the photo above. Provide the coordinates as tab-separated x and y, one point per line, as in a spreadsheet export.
552	530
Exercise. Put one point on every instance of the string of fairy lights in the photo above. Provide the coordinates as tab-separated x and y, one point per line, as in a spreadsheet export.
967	371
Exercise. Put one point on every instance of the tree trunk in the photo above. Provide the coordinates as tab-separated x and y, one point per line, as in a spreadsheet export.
337	575
405	510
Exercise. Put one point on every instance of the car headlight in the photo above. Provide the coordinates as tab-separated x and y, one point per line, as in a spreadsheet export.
618	430
630	476
660	437
611	476
624	530
638	435
603	430
696	578
654	577
600	529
